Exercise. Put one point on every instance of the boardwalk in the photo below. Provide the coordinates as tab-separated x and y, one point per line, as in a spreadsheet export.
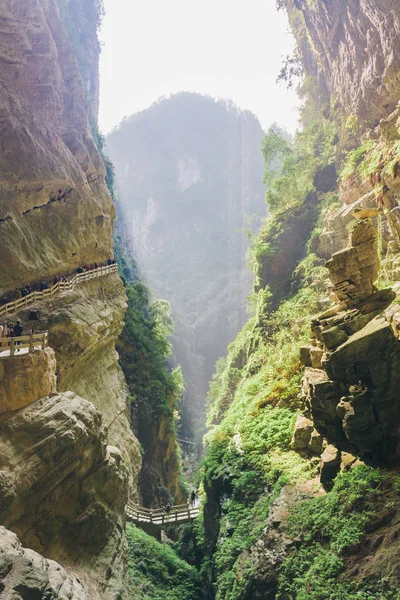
24	344
62	286
182	513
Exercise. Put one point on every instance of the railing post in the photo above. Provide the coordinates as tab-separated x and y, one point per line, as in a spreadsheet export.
31	343
12	347
44	341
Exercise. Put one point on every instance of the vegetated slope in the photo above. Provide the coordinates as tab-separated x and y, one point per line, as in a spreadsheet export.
155	571
189	177
270	530
155	389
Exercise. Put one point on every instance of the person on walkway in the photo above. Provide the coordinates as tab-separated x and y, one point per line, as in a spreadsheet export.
193	498
168	508
18	329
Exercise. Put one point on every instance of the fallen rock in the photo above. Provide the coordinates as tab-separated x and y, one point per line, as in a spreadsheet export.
316	441
330	466
63	490
27	575
302	434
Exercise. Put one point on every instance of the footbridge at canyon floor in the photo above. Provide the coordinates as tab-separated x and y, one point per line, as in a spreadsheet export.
180	514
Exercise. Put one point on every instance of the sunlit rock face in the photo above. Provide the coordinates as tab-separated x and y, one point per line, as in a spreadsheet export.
26	378
68	465
55	210
63	489
352	394
189	175
84	326
352	50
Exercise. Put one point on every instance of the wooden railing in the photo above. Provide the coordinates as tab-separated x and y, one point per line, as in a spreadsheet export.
11	346
181	513
57	288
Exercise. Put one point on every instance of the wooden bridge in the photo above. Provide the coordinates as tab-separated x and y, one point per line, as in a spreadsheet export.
181	513
61	286
24	344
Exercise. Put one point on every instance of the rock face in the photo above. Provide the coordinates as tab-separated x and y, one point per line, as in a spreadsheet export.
274	544
26	574
352	52
83	328
24	379
185	192
353	397
286	247
62	489
55	210
73	508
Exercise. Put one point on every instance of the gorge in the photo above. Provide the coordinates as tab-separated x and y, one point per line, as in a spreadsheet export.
298	488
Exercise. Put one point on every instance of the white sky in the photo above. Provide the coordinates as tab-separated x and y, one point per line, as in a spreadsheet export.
223	48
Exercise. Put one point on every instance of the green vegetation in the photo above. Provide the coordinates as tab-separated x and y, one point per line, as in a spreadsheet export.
374	160
156	573
253	406
290	168
330	526
144	349
155	389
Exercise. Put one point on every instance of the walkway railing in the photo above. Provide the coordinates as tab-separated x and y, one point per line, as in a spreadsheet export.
57	288
181	513
11	346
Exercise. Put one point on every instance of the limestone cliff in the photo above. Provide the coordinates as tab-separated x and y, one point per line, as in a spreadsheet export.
189	178
351	48
27	574
339	543
63	490
69	464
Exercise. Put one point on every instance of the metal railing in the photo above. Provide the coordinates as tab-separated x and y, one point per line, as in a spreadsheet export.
181	513
61	286
13	345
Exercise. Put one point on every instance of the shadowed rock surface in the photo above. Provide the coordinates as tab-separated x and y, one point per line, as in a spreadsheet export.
25	574
73	507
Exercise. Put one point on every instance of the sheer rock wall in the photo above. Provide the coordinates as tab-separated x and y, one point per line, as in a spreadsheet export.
63	488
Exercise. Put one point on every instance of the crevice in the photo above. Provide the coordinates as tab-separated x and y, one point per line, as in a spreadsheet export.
60	197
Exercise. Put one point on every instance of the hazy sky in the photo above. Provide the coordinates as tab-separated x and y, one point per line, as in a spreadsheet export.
223	48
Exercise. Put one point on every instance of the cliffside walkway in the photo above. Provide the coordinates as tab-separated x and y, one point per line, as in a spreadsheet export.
62	286
181	513
24	344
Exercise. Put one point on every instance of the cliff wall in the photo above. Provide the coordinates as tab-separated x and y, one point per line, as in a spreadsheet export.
70	463
189	178
271	529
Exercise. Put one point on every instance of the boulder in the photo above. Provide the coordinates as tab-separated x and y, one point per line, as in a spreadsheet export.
311	356
330	466
26	574
316	441
302	434
63	490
